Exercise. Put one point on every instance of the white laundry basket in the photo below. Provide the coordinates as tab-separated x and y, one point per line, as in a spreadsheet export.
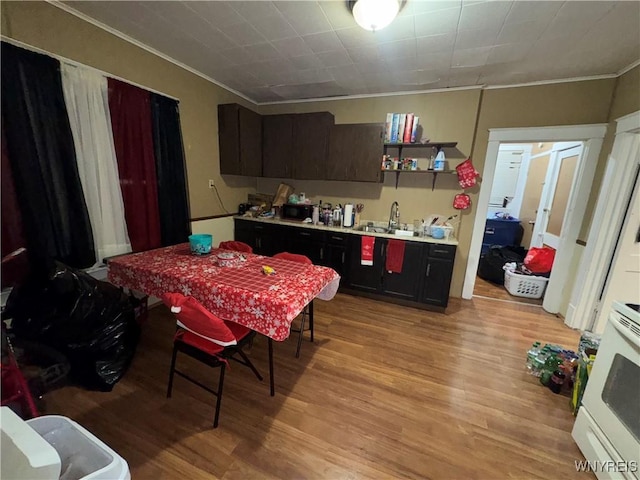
527	286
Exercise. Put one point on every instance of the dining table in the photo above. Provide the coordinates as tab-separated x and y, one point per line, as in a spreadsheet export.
262	293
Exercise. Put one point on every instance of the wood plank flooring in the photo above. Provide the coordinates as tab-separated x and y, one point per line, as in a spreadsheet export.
486	289
385	392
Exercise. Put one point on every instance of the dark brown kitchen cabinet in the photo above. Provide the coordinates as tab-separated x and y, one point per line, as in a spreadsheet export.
262	237
303	241
437	274
311	133
336	253
277	146
365	277
355	152
406	284
239	140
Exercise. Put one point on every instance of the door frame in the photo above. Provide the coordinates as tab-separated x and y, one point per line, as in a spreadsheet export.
592	136
616	188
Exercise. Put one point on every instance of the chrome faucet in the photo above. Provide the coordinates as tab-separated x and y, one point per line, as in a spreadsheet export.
394	216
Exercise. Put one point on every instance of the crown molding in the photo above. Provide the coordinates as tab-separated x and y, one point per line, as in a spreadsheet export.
552	82
629	67
374	95
127	38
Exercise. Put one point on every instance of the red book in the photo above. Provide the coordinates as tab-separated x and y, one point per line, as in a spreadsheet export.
408	127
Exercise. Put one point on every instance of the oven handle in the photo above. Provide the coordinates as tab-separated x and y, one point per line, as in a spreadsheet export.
626	331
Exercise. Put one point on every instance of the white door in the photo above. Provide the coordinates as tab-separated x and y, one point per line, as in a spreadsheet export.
558	184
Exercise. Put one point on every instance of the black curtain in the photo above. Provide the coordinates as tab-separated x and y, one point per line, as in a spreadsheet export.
169	154
43	162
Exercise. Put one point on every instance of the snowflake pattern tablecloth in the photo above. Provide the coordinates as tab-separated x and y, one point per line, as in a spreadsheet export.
241	292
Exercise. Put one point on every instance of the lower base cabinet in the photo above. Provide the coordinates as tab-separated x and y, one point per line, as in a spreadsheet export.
426	273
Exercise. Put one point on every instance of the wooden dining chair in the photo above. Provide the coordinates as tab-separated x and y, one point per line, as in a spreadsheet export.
308	310
237	246
208	339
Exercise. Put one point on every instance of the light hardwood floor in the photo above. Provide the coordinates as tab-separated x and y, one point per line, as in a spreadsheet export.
385	392
484	288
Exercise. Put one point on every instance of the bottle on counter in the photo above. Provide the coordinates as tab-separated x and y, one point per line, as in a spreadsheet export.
315	216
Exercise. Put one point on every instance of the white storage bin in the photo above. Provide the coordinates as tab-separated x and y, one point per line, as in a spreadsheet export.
527	286
82	455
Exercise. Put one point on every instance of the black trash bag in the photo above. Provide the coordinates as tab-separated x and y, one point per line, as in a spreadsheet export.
491	263
91	322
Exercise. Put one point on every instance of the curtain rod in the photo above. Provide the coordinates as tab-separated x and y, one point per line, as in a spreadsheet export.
26	46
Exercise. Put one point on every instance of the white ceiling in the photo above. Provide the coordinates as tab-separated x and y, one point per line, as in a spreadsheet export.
273	51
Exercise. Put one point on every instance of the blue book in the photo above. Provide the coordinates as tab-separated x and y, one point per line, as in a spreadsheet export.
394	128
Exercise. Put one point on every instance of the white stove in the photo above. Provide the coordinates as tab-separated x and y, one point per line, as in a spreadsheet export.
607	427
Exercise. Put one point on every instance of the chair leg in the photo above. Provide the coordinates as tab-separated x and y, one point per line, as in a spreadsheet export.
311	319
249	364
302	319
271	382
172	370
219	396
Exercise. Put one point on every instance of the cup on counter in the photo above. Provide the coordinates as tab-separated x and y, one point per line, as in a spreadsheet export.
417	228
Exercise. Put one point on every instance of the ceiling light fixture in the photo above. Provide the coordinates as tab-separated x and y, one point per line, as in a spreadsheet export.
375	14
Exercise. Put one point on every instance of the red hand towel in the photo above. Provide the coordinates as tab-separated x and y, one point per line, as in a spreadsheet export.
366	251
395	256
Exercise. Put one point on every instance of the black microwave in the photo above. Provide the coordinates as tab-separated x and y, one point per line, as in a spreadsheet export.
296	211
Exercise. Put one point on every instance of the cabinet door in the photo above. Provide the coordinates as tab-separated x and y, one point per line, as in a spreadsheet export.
265	239
229	139
367	143
277	146
311	132
405	284
336	253
437	281
250	126
365	277
305	242
243	232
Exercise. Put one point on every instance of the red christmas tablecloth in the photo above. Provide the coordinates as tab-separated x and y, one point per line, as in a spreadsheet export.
240	293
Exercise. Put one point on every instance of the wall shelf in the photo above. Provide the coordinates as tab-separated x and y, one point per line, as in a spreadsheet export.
434	172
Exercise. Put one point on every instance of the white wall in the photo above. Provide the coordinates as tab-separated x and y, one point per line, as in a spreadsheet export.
221	228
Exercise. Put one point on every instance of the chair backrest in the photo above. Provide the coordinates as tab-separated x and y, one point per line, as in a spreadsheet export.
293	257
237	246
193	317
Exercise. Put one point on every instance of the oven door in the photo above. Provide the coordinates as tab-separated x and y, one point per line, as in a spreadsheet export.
612	393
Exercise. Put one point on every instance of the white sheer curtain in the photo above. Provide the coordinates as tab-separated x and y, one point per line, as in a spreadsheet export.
85	93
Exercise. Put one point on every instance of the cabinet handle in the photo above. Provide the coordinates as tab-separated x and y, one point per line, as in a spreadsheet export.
321	253
428	269
259	227
333	237
343	258
305	234
435	250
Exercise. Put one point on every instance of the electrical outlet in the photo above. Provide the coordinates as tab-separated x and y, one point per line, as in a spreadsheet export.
211	183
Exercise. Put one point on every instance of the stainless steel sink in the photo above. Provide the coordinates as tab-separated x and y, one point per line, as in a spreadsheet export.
372	229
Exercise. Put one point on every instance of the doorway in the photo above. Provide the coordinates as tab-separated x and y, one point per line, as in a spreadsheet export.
591	137
527	206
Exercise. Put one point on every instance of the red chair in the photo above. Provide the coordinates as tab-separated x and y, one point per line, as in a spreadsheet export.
308	310
236	246
206	338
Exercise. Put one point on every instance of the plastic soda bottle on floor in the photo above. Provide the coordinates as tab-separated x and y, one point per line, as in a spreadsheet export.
531	356
538	362
550	366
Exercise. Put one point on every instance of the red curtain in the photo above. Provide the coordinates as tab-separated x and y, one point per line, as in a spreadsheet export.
130	109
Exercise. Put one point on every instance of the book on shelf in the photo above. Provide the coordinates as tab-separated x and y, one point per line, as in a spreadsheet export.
414	129
387	128
401	121
408	125
394	128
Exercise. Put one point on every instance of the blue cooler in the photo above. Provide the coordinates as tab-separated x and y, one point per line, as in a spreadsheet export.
498	231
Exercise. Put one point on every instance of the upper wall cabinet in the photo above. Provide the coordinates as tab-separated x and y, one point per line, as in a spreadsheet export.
355	152
311	133
240	140
296	145
277	146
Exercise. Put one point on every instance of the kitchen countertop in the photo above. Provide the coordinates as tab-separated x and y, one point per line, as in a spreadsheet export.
301	224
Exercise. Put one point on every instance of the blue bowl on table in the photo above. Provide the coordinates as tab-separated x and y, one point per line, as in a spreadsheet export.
200	243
